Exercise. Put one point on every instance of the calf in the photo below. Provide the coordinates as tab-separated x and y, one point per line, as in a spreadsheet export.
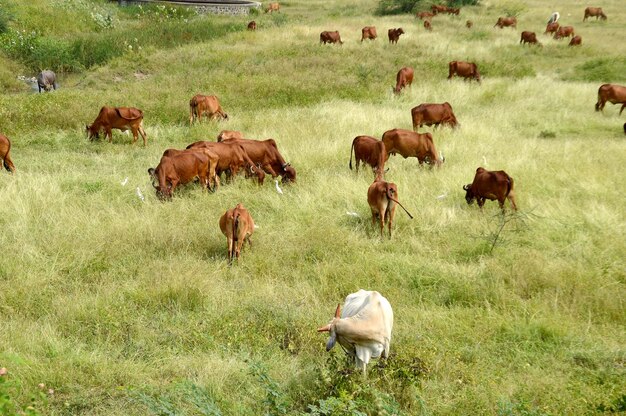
330	37
433	114
492	185
5	150
564	32
530	38
272	7
404	78
411	144
594	11
469	24
427	25
613	93
368	32
382	198
506	22
369	150
467	70
205	104
576	41
252	25
46	80
552	28
121	118
237	225
181	167
394	34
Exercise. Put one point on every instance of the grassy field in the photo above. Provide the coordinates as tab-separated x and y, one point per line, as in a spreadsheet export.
128	307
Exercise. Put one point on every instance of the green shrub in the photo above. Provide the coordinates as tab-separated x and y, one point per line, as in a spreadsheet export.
386	7
601	70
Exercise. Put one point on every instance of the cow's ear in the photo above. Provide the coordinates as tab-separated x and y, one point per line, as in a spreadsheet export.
151	171
331	341
466	187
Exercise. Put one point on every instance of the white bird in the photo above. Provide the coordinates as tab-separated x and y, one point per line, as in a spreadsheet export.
353	214
442	196
485	160
124	182
140	195
280	191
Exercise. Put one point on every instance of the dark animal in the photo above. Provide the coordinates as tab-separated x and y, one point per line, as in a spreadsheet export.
232	159
492	185
433	114
5	150
564	32
506	22
394	34
272	7
252	25
427	25
237	225
369	150
552	28
205	104
453	10
180	167
467	70
330	37
368	32
529	37
404	78
121	118
411	144
613	93
264	153
425	15
47	80
436	8
594	11
469	24
576	41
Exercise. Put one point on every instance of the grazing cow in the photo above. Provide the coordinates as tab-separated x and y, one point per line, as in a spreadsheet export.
427	25
506	22
529	37
181	167
232	158
411	144
121	118
394	34
382	198
453	10
47	80
369	150
404	78
552	28
330	37
272	7
364	327
229	134
368	32
425	15
594	11
469	24
564	32
264	153
237	225
5	149
491	185
252	25
438	8
576	41
467	70
429	114
554	17
613	93
205	104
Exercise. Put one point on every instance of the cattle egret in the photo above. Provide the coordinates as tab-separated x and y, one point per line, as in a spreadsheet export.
280	191
140	195
554	17
124	182
352	214
442	196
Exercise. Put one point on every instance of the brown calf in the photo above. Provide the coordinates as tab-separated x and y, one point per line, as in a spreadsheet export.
427	25
469	24
205	104
272	7
404	78
368	32
529	37
576	41
252	25
564	32
382	198
181	167
232	158
506	22
613	93
5	149
552	28
425	15
394	34
491	185
264	153
594	11
369	150
467	70
330	37
121	118
237	225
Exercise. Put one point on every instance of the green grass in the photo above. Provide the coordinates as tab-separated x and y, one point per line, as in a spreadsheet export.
126	307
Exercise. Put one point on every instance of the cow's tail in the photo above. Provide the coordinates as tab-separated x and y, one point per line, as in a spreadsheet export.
401	206
235	226
351	151
509	185
193	103
8	165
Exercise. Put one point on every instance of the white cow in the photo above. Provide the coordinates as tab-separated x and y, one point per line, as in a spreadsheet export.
364	327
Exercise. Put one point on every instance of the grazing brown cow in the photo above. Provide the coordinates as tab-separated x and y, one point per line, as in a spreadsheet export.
564	32
264	153
205	104
404	78
237	225
425	15
229	134
467	70
394	34
613	93
411	144
368	32
529	37
427	25
272	7
232	158
576	41
330	37
369	150
252	25
429	114
491	185
181	167
469	24
552	28
121	118
453	10
436	8
506	22
5	149
594	11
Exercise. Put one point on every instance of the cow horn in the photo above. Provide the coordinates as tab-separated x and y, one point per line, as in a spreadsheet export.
466	187
324	328
338	311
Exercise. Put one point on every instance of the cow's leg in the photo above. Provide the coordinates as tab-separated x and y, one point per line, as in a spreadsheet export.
268	169
143	134
248	240
622	109
229	244
511	197
135	134
108	132
382	209
8	163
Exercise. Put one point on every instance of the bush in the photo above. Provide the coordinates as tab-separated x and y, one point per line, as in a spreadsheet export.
386	7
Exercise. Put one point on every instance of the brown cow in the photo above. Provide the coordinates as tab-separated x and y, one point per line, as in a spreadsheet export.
368	32
5	149
564	32
469	24
491	185
272	7
552	28
330	37
613	93
394	34
264	153
506	22
529	37
438	8
237	225
252	25
411	144
453	10
232	158
369	150
427	25
467	70
122	118
205	104
181	167
382	198
404	78
229	134
594	11
429	114
425	15
576	41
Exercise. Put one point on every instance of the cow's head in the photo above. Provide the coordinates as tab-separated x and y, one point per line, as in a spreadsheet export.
92	133
331	329
469	195
289	173
163	192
